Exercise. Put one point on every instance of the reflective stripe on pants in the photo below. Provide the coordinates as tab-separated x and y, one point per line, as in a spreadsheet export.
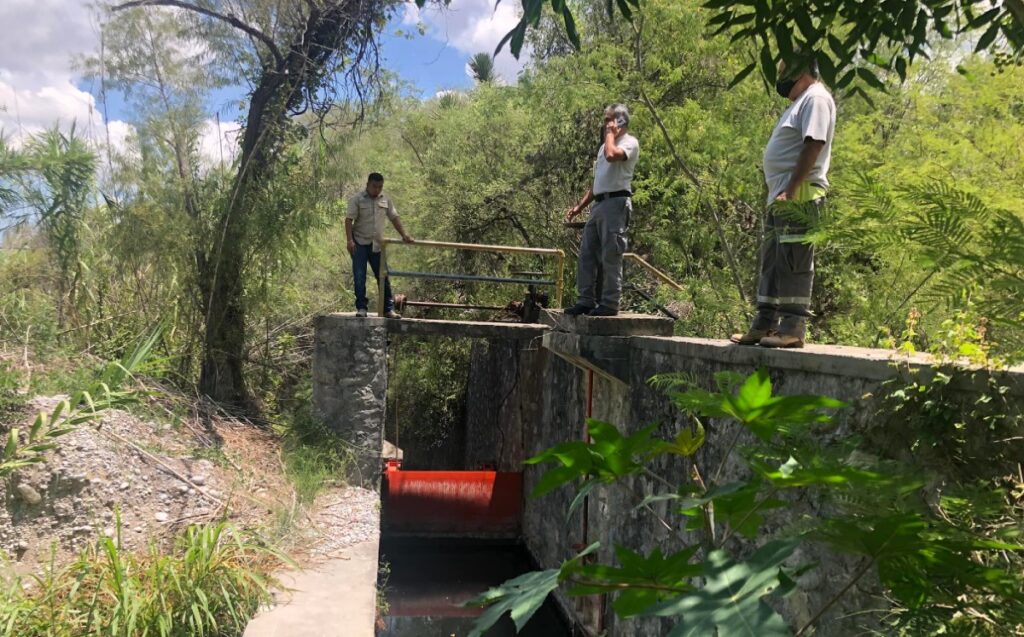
787	275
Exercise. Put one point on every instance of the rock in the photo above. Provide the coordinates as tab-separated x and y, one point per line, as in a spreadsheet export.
124	485
23	546
161	516
198	480
28	494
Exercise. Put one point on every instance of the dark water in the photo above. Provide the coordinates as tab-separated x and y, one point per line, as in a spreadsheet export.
429	580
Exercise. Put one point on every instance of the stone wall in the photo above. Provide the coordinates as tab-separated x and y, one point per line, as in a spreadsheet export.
506	381
350	382
523	398
849	374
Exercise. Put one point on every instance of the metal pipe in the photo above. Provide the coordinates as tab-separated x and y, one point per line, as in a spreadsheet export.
560	280
454	306
653	270
381	277
468	277
478	247
648	297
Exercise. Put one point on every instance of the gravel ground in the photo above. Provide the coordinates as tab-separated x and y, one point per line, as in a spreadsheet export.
127	466
343	517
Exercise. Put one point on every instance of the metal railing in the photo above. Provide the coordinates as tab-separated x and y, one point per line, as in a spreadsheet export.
556	282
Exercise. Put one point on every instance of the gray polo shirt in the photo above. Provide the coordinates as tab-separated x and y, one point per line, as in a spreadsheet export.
612	176
368	216
813	115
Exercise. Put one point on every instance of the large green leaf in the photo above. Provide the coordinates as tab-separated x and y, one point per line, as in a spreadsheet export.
640	581
731	601
521	596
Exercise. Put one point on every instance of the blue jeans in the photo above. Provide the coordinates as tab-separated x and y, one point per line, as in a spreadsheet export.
364	254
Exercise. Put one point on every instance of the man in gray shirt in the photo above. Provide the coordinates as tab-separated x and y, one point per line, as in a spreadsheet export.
604	235
796	162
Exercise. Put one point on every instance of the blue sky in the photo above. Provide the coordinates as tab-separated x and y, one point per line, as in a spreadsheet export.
40	87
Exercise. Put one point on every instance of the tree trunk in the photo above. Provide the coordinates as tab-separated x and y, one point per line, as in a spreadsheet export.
280	90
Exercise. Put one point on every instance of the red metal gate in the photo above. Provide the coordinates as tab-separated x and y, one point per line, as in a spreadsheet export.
458	503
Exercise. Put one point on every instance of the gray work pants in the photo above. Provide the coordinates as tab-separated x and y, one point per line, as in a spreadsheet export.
787	273
603	244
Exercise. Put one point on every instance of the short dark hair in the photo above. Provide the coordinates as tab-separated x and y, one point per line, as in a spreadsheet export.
807	61
376	178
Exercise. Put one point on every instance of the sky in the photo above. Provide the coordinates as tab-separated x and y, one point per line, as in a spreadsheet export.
40	87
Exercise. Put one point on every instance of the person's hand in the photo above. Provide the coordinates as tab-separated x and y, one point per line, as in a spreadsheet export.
571	213
407	239
351	248
611	127
783	196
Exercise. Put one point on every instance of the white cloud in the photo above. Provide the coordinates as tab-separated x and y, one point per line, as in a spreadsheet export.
38	85
473	26
219	145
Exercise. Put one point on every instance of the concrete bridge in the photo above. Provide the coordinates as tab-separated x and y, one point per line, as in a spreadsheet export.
533	386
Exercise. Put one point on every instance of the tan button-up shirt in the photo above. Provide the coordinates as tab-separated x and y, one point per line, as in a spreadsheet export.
368	217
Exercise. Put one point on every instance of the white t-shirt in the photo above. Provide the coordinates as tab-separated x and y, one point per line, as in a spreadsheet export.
612	176
813	115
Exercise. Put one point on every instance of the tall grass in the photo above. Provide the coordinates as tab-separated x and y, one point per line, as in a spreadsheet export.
209	585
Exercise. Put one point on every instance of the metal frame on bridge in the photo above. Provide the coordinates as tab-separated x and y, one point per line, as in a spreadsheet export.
557	282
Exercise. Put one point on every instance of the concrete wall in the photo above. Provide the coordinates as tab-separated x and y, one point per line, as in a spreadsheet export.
350	382
523	398
850	374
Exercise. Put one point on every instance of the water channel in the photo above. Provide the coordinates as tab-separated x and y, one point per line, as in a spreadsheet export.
425	582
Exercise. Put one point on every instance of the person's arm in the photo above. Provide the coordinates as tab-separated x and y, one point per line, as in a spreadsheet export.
396	221
348	235
578	208
808	156
350	216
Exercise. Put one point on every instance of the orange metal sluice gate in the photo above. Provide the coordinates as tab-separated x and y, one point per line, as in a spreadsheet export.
467	503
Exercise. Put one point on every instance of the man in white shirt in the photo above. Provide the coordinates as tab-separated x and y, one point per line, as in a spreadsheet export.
796	162
364	229
604	235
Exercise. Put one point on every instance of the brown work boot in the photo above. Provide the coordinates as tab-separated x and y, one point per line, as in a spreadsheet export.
781	341
752	337
391	314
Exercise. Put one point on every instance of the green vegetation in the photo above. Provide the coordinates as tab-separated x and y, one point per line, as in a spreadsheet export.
948	559
210	583
919	250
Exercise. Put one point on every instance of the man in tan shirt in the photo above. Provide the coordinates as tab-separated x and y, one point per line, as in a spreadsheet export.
364	228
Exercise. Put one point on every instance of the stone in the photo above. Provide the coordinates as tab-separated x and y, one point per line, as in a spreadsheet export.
124	486
28	494
161	516
198	480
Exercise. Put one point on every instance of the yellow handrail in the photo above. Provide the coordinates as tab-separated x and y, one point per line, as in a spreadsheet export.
653	270
476	247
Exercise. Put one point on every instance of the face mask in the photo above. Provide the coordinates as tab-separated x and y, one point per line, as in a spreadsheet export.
783	87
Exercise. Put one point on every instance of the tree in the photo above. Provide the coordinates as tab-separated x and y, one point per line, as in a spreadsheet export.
862	37
481	66
300	56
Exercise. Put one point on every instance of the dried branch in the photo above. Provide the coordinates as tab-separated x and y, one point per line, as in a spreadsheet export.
230	19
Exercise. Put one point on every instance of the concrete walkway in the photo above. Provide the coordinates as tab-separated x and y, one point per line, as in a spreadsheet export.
337	598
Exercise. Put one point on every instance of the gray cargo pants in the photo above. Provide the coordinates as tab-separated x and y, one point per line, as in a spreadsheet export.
787	274
603	244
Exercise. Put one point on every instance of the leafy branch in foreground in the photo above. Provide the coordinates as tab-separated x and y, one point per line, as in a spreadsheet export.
860	39
84	406
869	508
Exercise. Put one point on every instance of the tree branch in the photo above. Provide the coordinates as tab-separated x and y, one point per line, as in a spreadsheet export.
230	19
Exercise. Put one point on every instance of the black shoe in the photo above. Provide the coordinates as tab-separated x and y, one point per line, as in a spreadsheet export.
577	310
601	310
